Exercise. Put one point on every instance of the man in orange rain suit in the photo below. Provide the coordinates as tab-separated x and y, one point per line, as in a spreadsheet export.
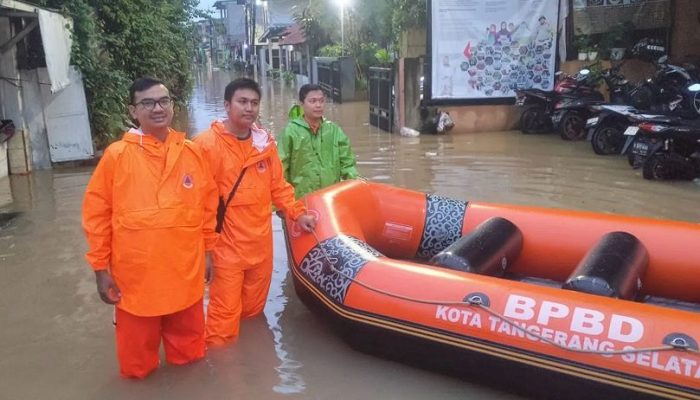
242	258
149	215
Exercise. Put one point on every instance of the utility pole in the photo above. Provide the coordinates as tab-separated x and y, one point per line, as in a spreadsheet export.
246	12
253	54
211	42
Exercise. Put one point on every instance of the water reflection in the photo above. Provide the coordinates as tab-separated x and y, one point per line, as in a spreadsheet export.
291	380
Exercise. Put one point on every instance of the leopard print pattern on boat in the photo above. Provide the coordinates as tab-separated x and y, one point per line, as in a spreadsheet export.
347	254
444	218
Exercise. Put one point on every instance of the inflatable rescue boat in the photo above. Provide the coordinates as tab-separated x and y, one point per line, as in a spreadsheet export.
554	303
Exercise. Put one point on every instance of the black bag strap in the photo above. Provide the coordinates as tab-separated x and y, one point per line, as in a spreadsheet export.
221	210
235	186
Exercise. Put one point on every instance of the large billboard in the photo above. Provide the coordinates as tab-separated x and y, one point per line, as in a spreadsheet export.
484	49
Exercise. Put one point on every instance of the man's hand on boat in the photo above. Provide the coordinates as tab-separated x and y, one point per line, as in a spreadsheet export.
108	290
307	222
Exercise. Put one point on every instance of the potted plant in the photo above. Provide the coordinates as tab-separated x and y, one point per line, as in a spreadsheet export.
593	52
617	40
582	43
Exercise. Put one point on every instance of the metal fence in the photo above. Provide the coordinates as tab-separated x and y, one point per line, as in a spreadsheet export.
336	76
381	98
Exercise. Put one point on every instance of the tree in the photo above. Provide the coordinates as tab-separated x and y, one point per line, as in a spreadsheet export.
316	27
408	14
115	42
367	21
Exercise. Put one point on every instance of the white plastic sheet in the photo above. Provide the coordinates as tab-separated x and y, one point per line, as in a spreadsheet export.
56	37
563	13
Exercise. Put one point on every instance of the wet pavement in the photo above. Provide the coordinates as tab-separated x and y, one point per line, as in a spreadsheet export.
57	337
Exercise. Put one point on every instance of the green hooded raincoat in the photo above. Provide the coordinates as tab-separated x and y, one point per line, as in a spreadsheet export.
314	161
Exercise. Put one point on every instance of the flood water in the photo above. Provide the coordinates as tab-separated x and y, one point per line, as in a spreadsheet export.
57	342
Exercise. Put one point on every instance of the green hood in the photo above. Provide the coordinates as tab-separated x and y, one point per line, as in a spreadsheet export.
295	112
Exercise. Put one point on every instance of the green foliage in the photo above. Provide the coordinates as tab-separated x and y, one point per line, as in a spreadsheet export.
383	58
620	35
331	50
273	73
370	28
115	42
582	42
366	21
596	73
370	21
408	14
288	77
316	28
364	54
361	83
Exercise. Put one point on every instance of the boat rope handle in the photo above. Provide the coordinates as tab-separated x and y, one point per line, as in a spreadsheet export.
476	301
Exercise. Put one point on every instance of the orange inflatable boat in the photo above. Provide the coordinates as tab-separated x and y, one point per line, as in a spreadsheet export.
554	303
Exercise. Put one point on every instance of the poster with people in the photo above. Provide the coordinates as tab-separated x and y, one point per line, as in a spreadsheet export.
489	48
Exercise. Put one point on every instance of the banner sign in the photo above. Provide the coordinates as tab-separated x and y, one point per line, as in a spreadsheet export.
485	49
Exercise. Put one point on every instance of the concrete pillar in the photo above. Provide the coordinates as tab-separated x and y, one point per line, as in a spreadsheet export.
407	88
4	170
407	81
19	152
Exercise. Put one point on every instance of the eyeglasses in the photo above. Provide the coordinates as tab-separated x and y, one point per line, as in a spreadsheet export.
150	104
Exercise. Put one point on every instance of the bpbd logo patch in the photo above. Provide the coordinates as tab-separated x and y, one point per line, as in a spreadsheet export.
187	181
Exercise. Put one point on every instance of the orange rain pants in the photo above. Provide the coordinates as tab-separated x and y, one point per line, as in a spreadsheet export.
243	255
236	293
138	339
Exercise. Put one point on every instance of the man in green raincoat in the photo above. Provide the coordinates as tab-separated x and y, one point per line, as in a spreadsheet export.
315	152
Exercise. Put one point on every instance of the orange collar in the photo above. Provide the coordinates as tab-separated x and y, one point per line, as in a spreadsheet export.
315	126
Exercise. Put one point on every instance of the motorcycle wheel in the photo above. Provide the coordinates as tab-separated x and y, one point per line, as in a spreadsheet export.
668	166
571	126
607	140
696	103
534	120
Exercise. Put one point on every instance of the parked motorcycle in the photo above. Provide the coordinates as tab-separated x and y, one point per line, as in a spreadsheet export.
570	116
672	91
606	127
605	130
621	91
537	117
665	151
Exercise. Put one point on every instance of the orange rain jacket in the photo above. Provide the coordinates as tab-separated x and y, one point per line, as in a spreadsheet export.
246	238
149	214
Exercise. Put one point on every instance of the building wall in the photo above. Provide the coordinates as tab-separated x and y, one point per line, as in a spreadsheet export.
33	112
685	37
235	22
11	107
4	167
